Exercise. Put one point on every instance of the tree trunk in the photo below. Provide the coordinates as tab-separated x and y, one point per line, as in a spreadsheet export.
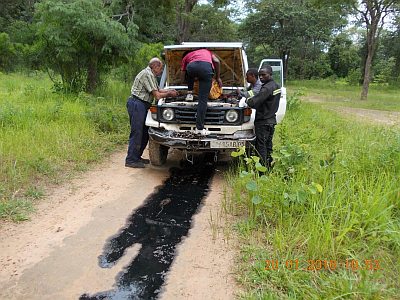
183	20
374	14
367	76
285	59
371	45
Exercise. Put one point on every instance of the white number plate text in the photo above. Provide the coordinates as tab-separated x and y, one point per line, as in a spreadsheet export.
226	144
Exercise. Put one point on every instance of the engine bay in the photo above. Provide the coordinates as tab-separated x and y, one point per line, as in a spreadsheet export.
232	98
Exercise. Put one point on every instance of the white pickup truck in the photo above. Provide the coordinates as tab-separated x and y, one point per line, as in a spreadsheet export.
172	121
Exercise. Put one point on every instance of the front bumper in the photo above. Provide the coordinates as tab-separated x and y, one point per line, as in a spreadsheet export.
189	141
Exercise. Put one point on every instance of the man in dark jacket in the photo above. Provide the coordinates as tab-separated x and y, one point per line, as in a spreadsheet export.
266	103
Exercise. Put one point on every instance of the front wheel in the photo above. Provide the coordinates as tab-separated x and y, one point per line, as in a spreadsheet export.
157	153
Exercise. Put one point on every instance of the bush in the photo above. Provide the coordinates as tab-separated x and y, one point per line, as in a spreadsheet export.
354	77
7	52
293	101
138	61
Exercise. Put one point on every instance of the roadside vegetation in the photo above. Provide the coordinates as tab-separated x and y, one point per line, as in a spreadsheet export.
47	136
340	92
325	222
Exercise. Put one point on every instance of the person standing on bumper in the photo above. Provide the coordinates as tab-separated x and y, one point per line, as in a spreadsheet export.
144	90
266	103
200	64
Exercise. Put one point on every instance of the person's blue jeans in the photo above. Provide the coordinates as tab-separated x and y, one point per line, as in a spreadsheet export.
264	135
139	135
203	71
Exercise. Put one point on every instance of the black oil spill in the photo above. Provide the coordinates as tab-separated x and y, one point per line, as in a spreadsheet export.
158	226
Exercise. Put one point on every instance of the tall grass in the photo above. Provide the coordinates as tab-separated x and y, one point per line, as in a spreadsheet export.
334	195
45	136
340	93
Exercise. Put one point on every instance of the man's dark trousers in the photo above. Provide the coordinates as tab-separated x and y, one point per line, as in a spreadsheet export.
204	72
139	135
264	135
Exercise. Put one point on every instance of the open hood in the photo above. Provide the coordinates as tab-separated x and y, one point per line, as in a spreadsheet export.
231	55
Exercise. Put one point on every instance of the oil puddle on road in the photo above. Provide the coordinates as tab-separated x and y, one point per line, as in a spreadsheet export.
158	226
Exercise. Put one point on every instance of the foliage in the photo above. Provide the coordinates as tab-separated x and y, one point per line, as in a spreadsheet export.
293	100
373	14
163	20
210	24
343	56
27	50
7	52
161	13
354	77
290	28
386	64
138	61
332	195
143	56
318	67
80	40
384	70
12	10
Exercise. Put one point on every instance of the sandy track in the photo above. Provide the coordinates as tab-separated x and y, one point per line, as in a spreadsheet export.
391	118
54	255
383	117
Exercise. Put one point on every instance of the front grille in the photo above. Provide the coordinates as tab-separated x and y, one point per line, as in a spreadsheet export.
188	116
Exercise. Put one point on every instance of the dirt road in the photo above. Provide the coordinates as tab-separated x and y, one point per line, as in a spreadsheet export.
56	254
382	117
391	118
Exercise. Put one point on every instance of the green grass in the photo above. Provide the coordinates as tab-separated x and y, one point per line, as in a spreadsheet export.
333	194
339	93
45	137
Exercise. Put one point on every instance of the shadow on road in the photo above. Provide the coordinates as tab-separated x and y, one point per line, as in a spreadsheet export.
158	226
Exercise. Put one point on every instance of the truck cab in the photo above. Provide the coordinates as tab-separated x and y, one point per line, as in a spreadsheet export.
229	122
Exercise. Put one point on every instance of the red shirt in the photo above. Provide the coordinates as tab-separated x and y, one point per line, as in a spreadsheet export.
197	55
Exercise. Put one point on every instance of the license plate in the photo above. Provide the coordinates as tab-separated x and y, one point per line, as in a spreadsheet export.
226	144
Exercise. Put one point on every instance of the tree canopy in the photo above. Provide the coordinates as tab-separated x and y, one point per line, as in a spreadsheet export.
290	28
79	41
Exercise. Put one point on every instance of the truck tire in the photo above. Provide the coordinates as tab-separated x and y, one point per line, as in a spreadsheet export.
157	153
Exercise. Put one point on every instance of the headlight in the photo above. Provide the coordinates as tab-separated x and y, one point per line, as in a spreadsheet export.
231	116
168	114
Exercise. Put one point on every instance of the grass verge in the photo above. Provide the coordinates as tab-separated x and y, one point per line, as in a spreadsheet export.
46	136
325	223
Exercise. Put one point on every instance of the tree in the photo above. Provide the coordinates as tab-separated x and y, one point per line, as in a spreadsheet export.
80	40
184	9
343	55
390	49
212	24
373	13
171	20
155	19
7	52
11	10
291	26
